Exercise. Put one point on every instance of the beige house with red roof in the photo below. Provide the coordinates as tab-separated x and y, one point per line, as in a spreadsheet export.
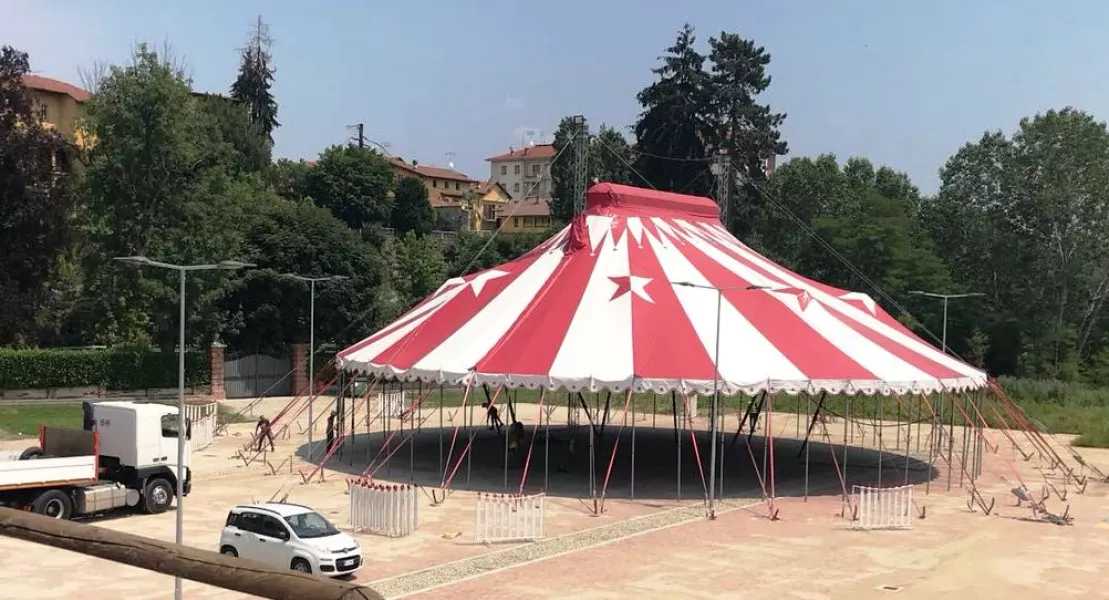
524	172
528	214
59	105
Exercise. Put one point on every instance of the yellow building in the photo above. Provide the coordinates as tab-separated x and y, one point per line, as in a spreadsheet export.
59	105
488	200
528	214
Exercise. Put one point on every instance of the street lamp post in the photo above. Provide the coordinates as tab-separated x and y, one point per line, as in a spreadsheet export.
714	411
182	425
935	419
945	298
312	281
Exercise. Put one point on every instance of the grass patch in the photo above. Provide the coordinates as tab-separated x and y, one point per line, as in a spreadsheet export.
23	420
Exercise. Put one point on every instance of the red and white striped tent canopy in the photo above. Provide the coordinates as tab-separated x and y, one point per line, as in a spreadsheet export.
627	297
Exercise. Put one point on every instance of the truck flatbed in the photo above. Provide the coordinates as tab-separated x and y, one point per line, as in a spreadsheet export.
47	472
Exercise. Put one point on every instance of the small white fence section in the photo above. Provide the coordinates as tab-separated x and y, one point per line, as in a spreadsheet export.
389	510
202	418
509	517
392	404
883	508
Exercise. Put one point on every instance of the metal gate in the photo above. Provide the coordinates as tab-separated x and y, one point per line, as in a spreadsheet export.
257	375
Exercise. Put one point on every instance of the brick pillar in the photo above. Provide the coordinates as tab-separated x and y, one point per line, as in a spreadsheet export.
215	367
300	369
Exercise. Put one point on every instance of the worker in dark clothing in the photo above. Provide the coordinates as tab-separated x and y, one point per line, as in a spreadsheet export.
492	416
263	432
331	431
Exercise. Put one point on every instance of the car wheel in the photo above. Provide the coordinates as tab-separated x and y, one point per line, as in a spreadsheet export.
157	496
301	566
229	551
55	504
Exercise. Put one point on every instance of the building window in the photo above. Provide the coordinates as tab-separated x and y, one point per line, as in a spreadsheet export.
434	183
516	170
529	221
504	169
456	186
535	170
542	221
516	186
42	112
515	221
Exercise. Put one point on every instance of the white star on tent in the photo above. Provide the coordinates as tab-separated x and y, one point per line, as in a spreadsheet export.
478	282
632	283
862	298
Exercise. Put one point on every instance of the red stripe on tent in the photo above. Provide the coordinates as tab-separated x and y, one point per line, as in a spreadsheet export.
664	343
401	321
912	357
532	343
447	320
810	352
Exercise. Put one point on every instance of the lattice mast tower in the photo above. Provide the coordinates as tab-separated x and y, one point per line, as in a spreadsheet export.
580	158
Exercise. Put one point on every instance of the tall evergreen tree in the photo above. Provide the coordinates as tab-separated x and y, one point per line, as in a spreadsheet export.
674	129
745	129
252	87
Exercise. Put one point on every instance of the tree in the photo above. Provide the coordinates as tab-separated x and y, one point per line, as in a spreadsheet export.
848	209
162	182
1037	204
289	178
420	267
268	311
673	131
411	209
37	207
746	130
252	87
354	184
240	144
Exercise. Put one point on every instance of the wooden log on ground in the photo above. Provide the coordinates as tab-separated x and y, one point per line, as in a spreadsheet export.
226	572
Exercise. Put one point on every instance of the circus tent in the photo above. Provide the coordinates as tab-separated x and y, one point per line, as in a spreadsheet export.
648	291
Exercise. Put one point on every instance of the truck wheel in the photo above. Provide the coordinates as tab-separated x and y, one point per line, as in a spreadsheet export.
229	551
157	496
29	453
55	504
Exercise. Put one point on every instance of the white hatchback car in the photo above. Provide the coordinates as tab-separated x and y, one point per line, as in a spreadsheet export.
289	536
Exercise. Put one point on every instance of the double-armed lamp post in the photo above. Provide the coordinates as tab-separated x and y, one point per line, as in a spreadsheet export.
312	281
182	425
715	431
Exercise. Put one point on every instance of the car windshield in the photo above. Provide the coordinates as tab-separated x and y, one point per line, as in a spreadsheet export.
311	525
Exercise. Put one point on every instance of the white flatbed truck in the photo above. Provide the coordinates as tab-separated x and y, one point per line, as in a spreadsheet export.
124	456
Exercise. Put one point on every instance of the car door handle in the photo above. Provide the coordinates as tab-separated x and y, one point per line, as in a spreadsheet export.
238	535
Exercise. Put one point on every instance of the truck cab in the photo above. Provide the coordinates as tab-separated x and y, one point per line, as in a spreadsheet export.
124	456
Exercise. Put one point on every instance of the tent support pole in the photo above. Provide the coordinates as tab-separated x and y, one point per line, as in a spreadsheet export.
846	426
878	435
442	472
632	493
678	439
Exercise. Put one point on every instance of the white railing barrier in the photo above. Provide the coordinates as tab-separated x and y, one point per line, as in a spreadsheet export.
883	508
202	419
203	432
392	404
389	510
509	517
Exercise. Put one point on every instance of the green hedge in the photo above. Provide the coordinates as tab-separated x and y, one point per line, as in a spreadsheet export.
117	369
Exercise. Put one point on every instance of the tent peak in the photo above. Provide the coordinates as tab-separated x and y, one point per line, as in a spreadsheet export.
615	199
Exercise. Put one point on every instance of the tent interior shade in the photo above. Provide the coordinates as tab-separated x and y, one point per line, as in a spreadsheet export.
628	297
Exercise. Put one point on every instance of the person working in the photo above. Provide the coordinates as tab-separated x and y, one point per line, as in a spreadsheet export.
331	431
492	416
263	432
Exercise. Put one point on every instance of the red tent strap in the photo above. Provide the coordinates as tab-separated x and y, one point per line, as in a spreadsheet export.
469	443
531	444
693	436
419	400
615	446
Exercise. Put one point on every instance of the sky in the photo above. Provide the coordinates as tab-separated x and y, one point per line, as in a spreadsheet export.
902	83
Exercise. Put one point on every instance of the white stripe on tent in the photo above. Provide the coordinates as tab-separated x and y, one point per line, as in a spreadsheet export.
598	343
746	356
880	362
